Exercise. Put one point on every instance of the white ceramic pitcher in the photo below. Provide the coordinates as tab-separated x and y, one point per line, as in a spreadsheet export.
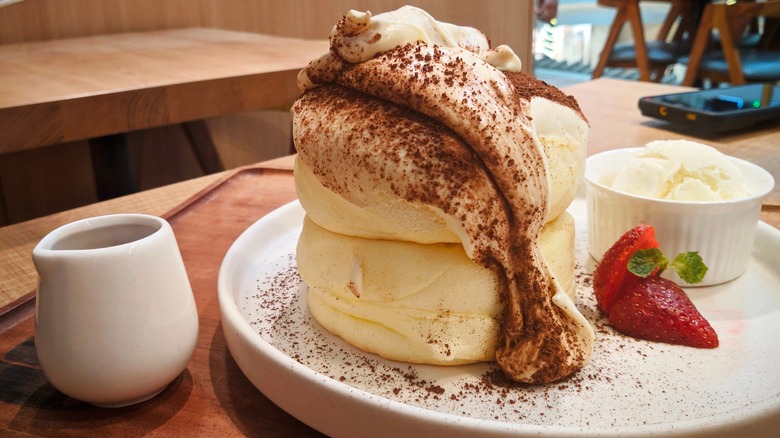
115	317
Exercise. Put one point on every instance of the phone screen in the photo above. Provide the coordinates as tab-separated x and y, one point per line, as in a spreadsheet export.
728	99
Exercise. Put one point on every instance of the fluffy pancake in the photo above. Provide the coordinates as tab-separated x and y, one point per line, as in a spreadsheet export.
420	303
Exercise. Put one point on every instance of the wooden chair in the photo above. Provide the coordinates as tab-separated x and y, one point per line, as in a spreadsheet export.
733	63
650	58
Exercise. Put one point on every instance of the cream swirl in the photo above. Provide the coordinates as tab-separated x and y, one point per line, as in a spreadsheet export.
359	37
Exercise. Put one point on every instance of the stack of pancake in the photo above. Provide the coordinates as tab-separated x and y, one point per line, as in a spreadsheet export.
435	178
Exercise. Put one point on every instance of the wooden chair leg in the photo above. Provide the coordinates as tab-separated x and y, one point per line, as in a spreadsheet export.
699	46
716	17
729	45
609	44
675	10
203	146
628	11
640	47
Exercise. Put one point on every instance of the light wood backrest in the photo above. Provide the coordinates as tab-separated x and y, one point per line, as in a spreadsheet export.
503	21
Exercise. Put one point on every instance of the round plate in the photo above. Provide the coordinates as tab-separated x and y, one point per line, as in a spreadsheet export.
630	387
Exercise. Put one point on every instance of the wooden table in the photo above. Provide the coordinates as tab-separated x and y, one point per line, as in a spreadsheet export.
73	89
99	87
212	396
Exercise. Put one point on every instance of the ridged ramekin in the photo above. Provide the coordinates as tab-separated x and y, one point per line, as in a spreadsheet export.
723	232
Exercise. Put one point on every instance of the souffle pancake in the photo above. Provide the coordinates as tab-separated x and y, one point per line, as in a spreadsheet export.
435	177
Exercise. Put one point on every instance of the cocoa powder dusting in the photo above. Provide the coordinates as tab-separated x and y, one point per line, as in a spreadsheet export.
528	87
589	401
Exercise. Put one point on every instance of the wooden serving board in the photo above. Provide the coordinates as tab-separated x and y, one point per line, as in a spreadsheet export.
212	397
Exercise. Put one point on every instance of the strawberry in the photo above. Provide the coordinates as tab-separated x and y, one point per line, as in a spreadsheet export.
656	309
641	304
612	271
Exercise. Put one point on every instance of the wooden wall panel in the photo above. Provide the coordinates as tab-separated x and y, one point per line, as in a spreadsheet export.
504	21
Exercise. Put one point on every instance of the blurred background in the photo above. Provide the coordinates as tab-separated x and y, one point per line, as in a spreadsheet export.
566	51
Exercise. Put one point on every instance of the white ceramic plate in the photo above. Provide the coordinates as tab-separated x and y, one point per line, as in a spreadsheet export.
630	387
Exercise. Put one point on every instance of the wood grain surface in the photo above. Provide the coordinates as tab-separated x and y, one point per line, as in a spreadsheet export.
72	89
503	21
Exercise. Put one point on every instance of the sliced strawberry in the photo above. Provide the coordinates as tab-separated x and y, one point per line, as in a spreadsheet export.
612	271
657	309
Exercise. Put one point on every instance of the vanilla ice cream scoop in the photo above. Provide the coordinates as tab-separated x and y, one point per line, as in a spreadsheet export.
682	170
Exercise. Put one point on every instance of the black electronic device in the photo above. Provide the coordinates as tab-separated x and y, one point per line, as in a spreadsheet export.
716	110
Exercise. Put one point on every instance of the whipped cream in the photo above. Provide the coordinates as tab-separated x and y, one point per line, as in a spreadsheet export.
359	36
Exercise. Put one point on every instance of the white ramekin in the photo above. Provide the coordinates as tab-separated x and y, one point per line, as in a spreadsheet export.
722	232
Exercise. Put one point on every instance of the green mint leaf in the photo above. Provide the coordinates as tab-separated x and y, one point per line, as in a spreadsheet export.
647	261
690	267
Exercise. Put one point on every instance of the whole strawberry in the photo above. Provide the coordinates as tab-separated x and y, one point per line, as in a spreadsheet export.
656	309
640	303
